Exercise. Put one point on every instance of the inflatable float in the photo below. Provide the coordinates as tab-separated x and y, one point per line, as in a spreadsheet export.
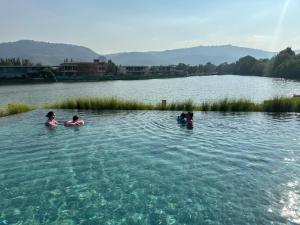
73	123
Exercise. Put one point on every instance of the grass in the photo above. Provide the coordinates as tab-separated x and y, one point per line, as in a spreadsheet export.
118	104
230	105
277	104
281	104
187	105
15	108
100	104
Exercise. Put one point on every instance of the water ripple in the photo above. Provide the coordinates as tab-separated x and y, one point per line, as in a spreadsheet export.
142	167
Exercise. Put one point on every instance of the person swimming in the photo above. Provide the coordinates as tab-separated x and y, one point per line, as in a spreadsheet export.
76	122
190	120
52	122
182	118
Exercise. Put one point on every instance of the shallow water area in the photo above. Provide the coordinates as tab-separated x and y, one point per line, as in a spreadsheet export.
141	167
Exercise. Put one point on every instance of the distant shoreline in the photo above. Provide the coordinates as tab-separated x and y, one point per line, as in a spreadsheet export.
284	65
92	79
4	82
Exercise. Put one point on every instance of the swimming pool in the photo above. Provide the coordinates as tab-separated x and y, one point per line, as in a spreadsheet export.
141	167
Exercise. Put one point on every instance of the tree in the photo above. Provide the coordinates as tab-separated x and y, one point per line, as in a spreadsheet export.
182	67
201	69
15	62
225	68
210	68
18	62
48	73
245	66
111	68
282	57
192	69
154	70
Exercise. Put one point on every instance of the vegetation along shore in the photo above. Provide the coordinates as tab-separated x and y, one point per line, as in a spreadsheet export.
15	108
286	64
277	104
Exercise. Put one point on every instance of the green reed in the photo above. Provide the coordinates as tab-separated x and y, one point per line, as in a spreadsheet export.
230	105
15	108
281	104
277	104
100	104
119	104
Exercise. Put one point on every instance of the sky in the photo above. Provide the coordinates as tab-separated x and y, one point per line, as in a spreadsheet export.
110	26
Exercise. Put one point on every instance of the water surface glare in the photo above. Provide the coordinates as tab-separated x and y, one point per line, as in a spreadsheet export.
143	168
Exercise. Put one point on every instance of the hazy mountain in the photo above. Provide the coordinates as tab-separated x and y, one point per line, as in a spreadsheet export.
192	56
46	53
297	51
54	54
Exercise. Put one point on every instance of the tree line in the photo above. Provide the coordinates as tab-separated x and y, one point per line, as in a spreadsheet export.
16	62
286	64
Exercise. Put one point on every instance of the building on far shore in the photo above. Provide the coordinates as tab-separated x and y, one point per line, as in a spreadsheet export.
168	70
134	70
96	68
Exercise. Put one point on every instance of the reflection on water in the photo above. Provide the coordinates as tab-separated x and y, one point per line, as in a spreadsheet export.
291	202
141	167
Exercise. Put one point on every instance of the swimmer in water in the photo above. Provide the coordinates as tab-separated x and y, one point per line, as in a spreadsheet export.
182	118
76	122
190	120
52	122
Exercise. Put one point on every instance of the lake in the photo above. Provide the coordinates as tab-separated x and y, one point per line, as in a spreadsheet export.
199	89
142	167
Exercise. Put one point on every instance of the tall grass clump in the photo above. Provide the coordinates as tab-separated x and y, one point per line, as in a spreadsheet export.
2	113
119	104
281	104
186	105
221	105
278	104
205	106
15	108
296	101
243	105
100	104
230	105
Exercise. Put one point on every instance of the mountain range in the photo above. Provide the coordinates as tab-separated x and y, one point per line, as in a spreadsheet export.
54	54
192	56
46	53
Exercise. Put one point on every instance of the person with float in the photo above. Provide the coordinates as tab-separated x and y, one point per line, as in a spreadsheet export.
75	122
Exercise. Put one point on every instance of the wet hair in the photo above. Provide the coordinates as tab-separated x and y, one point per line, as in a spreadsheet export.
75	118
182	115
50	114
191	114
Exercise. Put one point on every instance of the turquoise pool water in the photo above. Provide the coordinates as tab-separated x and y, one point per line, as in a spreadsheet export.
144	168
